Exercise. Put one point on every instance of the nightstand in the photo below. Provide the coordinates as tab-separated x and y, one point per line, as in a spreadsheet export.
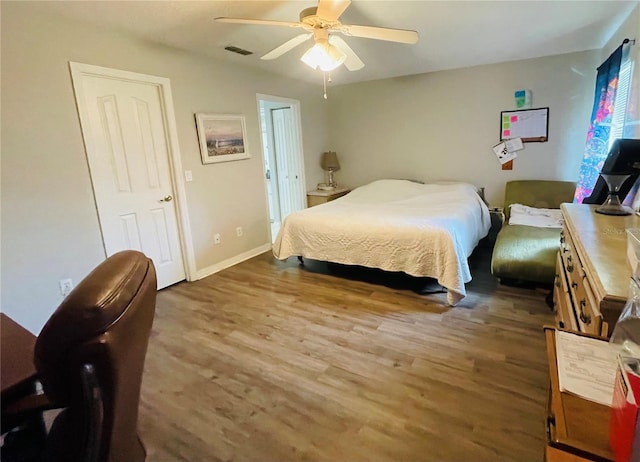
318	197
498	213
497	221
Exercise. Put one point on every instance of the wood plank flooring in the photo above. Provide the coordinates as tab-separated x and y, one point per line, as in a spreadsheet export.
270	361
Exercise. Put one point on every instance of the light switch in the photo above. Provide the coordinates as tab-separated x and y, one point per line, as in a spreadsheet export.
188	176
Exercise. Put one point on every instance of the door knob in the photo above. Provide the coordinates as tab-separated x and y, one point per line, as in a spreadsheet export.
166	199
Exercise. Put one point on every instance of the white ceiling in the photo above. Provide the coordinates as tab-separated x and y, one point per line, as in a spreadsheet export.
453	34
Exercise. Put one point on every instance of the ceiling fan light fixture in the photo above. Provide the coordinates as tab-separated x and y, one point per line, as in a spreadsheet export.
323	23
324	56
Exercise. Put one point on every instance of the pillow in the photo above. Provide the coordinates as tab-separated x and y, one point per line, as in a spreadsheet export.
531	216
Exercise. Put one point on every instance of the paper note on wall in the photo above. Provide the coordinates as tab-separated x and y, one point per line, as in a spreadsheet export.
503	154
523	99
514	144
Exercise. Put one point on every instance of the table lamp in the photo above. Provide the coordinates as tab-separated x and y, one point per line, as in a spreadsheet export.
330	163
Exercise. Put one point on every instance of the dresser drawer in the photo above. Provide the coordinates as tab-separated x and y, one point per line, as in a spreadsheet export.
581	311
585	306
563	309
567	251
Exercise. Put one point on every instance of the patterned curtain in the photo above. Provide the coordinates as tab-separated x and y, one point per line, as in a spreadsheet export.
597	146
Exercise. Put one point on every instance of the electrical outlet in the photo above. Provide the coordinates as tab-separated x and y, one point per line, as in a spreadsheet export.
188	175
216	238
239	231
66	286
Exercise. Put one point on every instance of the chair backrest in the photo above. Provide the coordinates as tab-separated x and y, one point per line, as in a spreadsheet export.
103	327
548	194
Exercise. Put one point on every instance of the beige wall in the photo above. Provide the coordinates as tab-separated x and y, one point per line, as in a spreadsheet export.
442	125
630	29
50	228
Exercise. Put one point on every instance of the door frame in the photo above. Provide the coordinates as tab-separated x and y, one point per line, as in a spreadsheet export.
163	84
295	107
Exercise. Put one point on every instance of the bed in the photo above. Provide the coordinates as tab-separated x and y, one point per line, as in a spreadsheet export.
424	230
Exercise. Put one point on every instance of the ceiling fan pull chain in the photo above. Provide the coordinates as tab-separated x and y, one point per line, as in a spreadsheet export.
324	82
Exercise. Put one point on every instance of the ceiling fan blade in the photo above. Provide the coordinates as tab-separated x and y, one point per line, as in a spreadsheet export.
259	22
331	9
351	62
380	33
286	46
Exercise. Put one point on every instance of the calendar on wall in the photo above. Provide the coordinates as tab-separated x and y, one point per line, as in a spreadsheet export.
532	125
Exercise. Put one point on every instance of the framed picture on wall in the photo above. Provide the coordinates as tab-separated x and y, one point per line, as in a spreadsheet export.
222	137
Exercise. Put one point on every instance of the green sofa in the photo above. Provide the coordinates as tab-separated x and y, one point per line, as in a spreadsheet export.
527	253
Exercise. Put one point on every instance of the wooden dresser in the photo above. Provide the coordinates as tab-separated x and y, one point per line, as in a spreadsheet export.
592	273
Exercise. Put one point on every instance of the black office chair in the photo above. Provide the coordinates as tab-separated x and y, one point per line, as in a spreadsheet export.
89	357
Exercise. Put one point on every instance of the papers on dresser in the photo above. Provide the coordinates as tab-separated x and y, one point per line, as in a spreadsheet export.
586	366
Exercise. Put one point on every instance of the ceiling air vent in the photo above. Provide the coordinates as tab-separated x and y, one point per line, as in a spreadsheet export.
240	51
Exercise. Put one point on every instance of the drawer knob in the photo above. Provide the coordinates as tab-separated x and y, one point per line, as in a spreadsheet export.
551	422
569	264
574	285
585	318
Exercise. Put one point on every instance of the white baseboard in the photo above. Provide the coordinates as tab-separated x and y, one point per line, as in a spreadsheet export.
208	271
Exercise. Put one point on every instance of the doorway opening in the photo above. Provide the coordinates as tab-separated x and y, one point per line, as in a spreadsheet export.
281	136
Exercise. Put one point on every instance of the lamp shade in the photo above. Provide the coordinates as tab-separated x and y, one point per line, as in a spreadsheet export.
330	161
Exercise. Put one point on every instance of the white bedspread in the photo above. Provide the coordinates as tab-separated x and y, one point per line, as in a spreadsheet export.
426	230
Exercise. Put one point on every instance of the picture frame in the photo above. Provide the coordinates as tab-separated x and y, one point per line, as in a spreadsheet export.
222	137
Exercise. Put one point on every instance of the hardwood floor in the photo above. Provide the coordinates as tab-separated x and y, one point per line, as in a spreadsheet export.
270	361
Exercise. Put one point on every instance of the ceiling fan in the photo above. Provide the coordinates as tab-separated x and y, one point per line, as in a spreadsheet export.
321	23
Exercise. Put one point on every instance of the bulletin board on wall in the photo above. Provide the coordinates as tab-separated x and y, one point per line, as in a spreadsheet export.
532	125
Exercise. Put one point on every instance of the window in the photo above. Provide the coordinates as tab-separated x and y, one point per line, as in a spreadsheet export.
620	108
625	115
614	115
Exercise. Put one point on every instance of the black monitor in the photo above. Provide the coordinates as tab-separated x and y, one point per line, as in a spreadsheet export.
623	159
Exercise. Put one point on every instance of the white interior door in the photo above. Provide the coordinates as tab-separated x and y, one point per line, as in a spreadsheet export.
287	156
271	171
123	124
